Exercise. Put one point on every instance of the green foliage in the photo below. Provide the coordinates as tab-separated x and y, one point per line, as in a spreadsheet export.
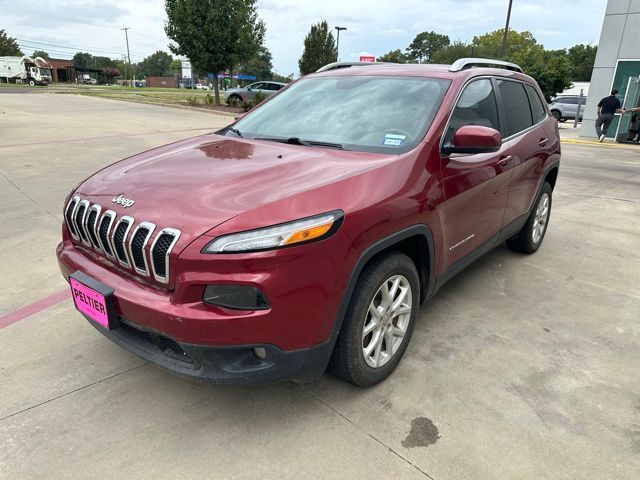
193	100
582	58
209	100
176	66
214	34
394	56
257	99
40	53
8	46
83	59
259	65
489	45
453	52
424	45
319	48
157	64
551	70
276	77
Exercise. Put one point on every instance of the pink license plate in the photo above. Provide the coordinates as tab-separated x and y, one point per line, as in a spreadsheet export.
93	304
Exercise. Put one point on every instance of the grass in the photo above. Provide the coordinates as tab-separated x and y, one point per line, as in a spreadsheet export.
154	96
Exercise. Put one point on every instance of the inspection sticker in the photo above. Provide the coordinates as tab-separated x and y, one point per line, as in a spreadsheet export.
394	139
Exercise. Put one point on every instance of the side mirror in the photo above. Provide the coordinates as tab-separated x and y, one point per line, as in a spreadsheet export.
474	139
238	117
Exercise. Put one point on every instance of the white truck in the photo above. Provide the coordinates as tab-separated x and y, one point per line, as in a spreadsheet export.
34	71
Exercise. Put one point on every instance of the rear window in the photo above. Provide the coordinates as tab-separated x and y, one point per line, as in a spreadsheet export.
516	107
538	110
365	113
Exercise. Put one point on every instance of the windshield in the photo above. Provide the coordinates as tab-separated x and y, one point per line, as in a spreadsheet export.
45	71
367	113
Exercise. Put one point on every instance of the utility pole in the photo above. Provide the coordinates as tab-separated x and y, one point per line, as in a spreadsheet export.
126	35
338	42
506	29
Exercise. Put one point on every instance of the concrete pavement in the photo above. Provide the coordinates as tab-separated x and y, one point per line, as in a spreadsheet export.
521	367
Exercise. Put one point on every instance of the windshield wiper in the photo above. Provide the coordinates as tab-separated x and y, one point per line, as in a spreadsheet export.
299	141
234	130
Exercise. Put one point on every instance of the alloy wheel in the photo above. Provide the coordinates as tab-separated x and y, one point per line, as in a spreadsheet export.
386	321
541	218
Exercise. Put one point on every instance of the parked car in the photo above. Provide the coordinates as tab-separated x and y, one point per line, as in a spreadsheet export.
201	86
566	107
307	233
246	94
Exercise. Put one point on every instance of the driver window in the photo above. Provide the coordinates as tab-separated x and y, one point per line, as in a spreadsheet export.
476	106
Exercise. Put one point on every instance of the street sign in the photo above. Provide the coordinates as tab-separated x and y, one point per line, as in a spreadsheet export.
367	58
186	68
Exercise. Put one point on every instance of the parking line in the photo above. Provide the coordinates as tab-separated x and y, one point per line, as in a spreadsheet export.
33	308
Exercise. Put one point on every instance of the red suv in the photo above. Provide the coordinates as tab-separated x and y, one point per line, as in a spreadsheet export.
306	234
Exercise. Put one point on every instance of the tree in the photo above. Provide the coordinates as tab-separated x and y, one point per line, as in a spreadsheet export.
582	58
453	52
489	45
259	65
110	73
41	53
9	46
157	64
176	66
319	48
425	45
214	34
551	70
83	60
394	56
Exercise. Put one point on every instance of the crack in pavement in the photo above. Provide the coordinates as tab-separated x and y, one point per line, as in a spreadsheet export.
71	392
373	437
40	207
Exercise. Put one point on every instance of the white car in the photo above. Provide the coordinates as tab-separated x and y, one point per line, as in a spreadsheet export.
200	86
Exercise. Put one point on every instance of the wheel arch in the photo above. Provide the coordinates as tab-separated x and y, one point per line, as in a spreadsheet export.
416	242
551	176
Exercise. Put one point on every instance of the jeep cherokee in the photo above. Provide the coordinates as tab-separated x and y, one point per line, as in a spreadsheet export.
307	233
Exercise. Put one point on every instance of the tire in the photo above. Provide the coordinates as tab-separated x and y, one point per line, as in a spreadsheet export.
234	100
529	239
349	360
32	82
557	115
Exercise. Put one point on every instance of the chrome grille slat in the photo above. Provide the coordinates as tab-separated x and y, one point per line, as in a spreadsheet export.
121	239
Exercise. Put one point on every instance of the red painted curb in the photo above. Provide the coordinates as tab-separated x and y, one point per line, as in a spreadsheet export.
32	309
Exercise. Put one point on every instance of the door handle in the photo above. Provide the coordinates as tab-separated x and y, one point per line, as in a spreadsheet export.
543	142
504	161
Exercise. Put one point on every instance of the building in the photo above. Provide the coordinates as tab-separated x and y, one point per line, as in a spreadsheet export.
162	82
617	66
62	70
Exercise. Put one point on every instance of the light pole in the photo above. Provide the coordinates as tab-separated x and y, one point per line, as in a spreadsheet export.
506	29
338	42
126	35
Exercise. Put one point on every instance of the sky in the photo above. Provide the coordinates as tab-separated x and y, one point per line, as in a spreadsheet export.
62	27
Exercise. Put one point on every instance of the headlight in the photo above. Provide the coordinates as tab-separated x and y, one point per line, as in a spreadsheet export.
283	235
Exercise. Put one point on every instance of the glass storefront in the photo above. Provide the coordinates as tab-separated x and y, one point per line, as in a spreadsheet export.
625	69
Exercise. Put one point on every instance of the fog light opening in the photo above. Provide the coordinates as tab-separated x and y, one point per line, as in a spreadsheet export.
260	352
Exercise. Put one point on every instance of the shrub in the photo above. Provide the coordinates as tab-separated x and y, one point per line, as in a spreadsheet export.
257	98
193	100
209	100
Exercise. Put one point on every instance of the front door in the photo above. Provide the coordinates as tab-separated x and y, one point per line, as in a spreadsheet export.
475	186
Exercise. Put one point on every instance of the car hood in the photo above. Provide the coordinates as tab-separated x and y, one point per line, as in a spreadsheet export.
197	184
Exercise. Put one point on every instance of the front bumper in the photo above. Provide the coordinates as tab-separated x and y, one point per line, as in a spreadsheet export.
237	365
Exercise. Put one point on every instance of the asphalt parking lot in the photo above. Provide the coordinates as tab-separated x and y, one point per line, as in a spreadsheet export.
521	367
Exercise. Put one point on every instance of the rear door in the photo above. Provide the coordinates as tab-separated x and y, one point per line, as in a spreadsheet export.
475	186
530	137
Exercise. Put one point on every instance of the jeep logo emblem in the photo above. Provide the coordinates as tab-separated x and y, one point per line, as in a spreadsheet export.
122	200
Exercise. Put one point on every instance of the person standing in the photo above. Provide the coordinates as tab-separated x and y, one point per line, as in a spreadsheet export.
607	108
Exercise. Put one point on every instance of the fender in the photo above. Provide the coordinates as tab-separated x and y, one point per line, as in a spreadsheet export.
379	246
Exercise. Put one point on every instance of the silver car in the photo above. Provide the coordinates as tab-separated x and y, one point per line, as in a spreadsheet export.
246	94
566	107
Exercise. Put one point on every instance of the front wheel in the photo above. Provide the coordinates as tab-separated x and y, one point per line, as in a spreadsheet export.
529	239
32	82
379	321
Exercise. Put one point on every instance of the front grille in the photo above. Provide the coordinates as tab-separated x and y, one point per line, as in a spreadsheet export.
68	215
108	234
91	227
82	208
119	236
103	232
160	252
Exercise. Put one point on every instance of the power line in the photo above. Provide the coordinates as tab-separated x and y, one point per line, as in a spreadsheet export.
57	45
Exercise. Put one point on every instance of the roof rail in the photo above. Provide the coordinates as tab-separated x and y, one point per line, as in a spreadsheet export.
337	65
464	63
